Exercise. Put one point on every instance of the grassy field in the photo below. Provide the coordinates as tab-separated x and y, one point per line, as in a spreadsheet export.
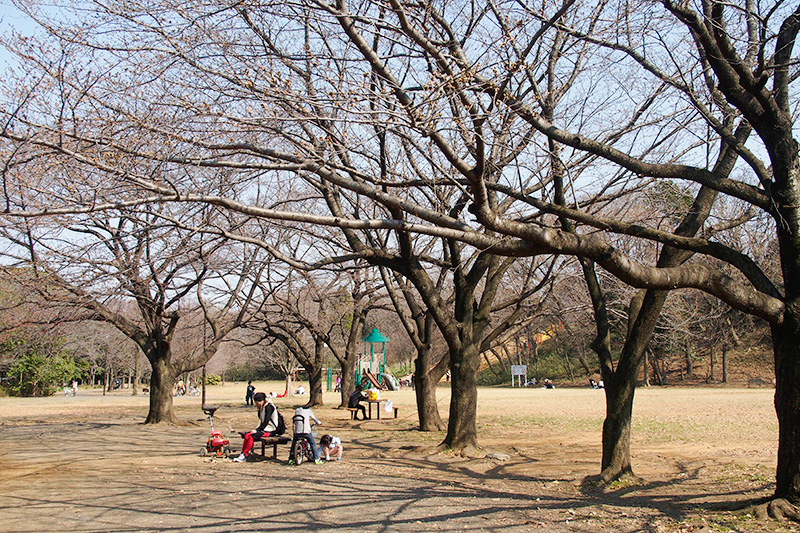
87	463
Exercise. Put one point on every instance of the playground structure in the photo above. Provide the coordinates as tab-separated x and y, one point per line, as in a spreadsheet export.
382	381
371	366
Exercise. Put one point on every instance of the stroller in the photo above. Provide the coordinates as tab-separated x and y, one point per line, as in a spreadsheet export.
217	444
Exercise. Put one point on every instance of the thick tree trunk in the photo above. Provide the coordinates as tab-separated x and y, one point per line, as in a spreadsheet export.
461	427
620	385
786	339
315	386
616	461
161	380
312	363
348	384
350	359
426	379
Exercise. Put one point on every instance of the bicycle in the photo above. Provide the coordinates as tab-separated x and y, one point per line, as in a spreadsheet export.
302	449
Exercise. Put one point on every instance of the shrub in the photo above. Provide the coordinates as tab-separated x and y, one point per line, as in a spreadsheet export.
213	379
488	378
257	372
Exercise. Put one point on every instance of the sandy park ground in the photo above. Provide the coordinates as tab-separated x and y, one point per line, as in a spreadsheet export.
88	464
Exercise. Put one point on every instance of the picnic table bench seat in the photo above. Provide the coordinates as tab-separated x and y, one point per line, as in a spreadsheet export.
354	410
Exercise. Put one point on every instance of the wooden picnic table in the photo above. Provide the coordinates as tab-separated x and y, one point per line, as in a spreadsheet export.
378	405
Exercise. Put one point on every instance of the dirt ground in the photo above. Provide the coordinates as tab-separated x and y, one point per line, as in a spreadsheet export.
88	464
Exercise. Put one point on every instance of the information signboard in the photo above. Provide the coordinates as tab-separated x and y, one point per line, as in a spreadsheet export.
521	371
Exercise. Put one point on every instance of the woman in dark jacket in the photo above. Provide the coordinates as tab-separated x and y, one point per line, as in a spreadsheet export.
355	403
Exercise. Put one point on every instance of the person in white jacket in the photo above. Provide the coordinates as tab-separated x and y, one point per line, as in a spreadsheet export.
268	424
302	430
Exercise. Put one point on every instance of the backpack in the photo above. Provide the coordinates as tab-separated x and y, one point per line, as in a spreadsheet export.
281	428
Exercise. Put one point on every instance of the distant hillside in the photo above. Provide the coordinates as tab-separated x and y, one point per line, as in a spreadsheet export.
749	364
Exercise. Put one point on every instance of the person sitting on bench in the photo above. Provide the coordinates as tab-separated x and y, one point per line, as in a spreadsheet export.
355	403
268	418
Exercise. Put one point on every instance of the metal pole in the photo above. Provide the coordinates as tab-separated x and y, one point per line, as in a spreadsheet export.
203	401
203	396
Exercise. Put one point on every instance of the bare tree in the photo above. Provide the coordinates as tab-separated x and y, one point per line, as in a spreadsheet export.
133	256
288	323
341	95
276	355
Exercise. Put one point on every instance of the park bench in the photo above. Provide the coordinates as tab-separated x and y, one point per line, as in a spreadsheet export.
269	441
354	410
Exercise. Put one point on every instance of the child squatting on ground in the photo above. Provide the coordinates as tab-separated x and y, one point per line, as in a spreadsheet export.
331	446
268	418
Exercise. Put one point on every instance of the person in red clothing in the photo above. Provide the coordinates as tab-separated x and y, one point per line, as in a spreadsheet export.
268	418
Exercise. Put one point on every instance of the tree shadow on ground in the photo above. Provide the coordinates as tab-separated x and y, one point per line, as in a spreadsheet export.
121	476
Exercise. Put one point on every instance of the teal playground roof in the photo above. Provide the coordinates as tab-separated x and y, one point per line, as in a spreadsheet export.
375	336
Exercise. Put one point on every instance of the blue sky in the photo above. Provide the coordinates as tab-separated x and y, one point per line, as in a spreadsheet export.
11	19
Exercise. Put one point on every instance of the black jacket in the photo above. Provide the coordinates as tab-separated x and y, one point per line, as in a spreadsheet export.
355	398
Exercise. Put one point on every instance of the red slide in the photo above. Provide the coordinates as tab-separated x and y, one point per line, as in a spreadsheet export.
370	376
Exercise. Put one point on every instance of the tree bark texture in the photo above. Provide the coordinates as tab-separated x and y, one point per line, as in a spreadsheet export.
620	386
351	354
348	384
315	386
616	460
314	370
462	426
426	379
161	381
786	339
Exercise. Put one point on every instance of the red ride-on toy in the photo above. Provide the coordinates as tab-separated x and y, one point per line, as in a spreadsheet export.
217	444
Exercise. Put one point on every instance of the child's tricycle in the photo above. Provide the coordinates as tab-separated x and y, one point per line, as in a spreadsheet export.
217	444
